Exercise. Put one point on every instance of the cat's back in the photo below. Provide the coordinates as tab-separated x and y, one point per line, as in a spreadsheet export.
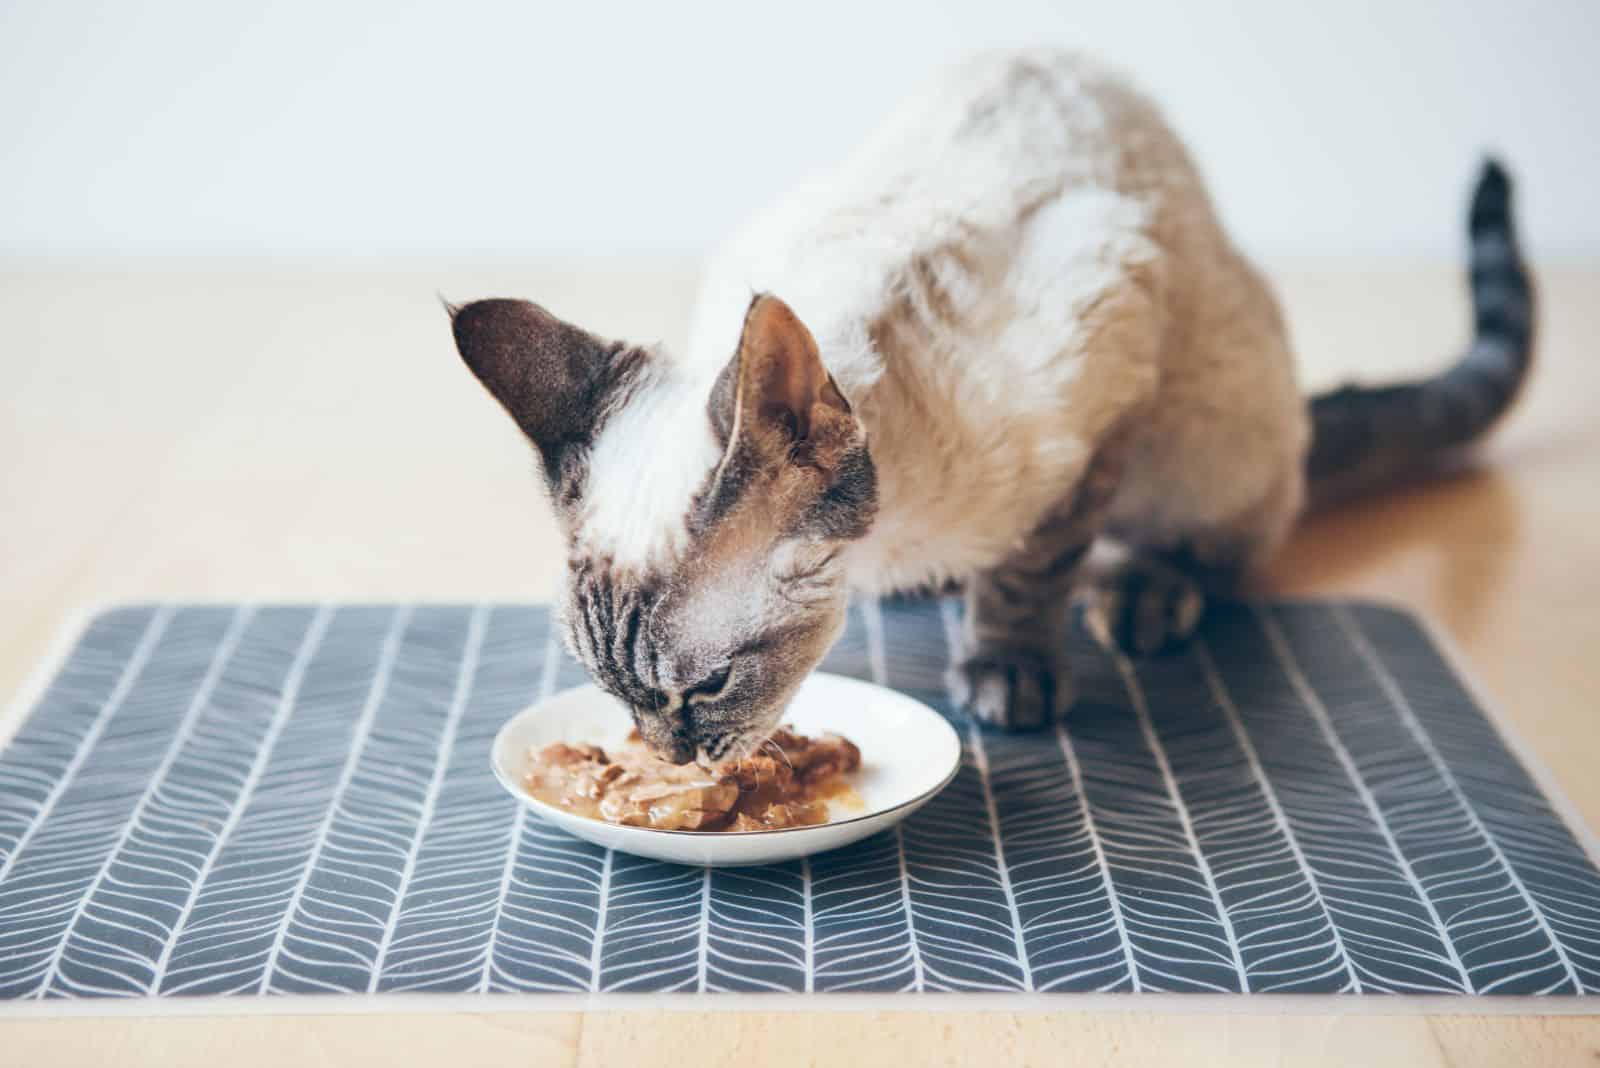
978	240
959	169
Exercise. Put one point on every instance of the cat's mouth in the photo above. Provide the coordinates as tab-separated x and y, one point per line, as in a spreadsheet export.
719	750
731	747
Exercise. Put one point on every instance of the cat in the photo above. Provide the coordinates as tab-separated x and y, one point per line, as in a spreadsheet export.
1006	329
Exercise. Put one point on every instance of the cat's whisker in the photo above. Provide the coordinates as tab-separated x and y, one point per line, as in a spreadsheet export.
778	749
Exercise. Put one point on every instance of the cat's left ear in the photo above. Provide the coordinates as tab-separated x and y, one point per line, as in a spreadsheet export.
779	413
775	396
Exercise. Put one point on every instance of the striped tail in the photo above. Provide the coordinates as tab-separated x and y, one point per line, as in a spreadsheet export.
1364	438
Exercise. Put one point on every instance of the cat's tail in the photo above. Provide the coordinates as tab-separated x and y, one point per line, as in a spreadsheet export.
1365	437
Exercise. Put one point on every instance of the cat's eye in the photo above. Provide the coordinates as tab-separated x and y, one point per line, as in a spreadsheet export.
709	688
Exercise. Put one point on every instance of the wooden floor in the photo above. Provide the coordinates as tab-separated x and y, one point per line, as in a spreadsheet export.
276	431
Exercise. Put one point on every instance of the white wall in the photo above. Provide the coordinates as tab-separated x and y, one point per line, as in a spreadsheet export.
523	128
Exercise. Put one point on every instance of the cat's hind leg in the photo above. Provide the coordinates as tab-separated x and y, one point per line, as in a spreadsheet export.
1010	665
1144	603
1153	597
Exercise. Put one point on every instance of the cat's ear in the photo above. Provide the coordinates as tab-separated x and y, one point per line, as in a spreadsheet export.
550	376
780	415
774	394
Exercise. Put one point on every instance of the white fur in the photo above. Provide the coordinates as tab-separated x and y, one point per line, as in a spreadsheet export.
650	458
1020	262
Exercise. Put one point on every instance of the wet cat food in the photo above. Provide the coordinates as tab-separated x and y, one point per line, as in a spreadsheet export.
788	784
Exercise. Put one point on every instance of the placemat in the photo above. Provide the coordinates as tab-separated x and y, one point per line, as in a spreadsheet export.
248	800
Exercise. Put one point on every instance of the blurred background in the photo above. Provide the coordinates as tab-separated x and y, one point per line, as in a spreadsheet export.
361	129
224	228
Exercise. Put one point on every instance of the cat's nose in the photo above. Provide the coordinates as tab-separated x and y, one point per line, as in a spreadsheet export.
666	733
680	751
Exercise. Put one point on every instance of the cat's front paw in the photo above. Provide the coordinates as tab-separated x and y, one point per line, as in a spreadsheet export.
1017	689
1146	607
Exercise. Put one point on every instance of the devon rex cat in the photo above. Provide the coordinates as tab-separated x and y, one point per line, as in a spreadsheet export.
1009	325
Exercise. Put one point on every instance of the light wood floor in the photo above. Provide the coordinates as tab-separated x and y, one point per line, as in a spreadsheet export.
278	431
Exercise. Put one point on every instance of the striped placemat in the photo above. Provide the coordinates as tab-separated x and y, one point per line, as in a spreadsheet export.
250	800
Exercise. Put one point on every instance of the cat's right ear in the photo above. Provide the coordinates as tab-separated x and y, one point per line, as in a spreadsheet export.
551	377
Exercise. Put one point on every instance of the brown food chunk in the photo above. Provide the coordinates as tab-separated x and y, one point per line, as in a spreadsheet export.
757	772
775	788
672	807
814	759
781	814
571	755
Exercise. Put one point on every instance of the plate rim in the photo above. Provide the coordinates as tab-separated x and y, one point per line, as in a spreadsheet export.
540	805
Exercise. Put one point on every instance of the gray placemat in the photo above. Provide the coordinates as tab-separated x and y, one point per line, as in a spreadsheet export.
217	799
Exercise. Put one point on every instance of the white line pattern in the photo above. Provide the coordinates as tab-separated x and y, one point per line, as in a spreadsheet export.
810	925
981	756
130	673
547	893
369	711
476	628
1554	859
285	706
1280	820
547	682
1142	711
1409	717
225	648
290	799
1319	712
1119	920
873	616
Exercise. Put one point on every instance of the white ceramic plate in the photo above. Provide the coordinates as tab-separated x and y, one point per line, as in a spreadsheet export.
908	754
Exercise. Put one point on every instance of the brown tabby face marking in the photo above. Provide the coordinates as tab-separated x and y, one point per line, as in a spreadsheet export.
707	632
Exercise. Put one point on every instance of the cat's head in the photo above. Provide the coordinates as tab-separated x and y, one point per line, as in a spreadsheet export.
705	512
